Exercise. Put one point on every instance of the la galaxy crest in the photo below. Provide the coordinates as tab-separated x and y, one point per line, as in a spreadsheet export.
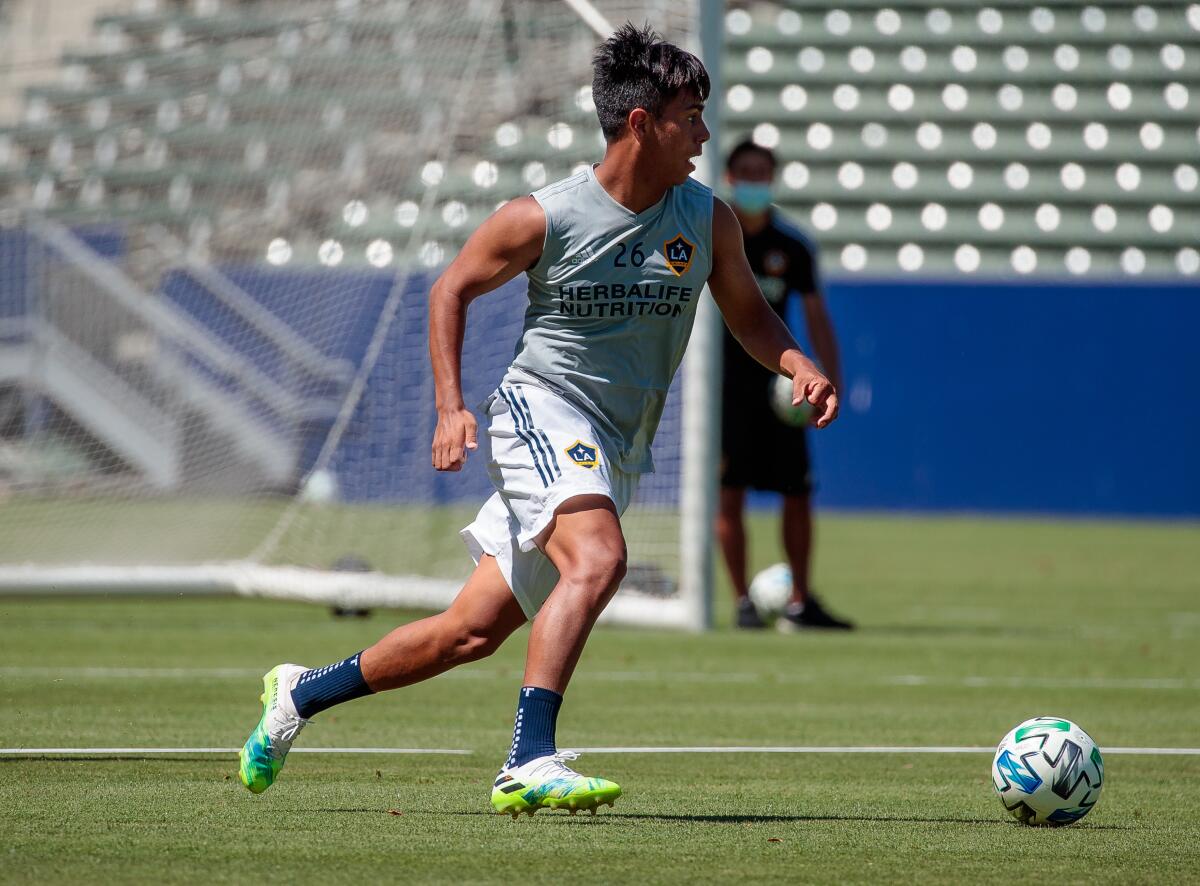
679	252
582	454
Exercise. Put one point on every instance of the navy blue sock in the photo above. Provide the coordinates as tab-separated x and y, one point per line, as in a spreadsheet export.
533	734
322	688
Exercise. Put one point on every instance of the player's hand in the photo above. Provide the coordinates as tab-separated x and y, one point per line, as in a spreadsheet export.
453	438
819	391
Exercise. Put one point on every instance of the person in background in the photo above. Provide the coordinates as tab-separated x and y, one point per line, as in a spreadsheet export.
758	450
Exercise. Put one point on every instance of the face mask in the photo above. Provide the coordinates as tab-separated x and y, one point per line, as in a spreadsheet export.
752	197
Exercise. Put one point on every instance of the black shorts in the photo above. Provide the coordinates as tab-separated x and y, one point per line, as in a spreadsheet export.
761	452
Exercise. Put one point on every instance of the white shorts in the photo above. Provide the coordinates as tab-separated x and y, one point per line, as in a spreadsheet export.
544	452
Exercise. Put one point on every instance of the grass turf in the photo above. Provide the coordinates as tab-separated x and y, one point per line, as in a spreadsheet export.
967	627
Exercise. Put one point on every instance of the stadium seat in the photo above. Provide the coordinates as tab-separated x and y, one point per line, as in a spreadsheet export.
990	113
179	106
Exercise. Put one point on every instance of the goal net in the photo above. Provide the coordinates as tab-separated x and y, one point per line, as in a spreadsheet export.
219	222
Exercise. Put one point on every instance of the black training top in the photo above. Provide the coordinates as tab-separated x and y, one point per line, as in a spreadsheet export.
784	260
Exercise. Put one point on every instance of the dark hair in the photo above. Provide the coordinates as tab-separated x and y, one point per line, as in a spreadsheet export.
635	68
749	146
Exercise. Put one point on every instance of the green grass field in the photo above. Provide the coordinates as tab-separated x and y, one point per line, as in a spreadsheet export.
967	627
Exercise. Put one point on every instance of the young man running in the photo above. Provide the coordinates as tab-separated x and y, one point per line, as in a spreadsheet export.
616	259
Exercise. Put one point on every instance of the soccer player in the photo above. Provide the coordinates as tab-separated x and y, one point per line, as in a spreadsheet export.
757	449
616	258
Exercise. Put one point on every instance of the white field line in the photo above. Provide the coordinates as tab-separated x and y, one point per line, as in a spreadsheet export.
1045	682
132	673
56	752
740	677
882	749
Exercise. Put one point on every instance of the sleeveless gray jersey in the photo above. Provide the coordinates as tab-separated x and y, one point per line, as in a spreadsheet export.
611	305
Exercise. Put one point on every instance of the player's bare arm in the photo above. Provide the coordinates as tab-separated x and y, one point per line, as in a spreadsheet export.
755	325
508	243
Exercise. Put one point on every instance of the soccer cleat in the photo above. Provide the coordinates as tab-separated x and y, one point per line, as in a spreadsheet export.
811	614
548	783
747	615
265	750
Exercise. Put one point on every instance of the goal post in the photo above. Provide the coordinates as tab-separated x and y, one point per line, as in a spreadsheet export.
702	368
217	234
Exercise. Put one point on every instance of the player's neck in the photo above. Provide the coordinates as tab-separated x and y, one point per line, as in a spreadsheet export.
623	175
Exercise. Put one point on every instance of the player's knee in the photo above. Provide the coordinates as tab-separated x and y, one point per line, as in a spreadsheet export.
608	566
479	644
467	642
600	572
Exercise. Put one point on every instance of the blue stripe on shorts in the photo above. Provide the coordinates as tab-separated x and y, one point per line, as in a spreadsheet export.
532	443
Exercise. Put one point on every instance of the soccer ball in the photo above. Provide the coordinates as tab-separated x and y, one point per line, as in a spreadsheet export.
321	487
780	395
771	590
1048	771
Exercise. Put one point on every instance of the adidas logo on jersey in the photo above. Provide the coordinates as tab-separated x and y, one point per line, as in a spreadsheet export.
581	256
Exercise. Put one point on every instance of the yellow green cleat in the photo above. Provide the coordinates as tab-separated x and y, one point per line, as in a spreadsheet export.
548	783
265	750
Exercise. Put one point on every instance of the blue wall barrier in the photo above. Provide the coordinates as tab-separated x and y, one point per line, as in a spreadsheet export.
1019	396
18	283
384	454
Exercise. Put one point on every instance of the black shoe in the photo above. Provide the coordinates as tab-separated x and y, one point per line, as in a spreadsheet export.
811	614
747	615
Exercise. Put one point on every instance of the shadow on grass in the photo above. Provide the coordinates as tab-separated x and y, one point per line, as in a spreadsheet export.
781	819
352	810
733	818
775	819
914	819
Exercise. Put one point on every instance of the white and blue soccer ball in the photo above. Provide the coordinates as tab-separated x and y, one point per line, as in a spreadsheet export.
780	395
1048	771
771	590
320	487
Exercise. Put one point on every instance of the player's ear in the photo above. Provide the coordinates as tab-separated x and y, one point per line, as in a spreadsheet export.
639	122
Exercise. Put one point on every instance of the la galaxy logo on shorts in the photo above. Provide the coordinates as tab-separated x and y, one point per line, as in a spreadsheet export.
679	252
582	454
